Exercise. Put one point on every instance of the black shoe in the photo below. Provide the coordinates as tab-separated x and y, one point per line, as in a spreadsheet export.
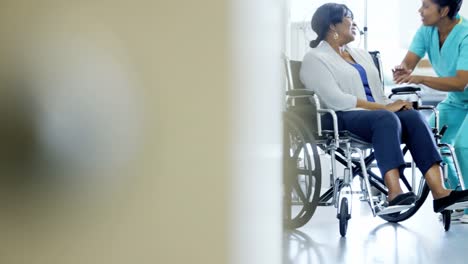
453	198
403	199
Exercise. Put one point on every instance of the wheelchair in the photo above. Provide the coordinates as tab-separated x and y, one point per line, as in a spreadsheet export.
305	141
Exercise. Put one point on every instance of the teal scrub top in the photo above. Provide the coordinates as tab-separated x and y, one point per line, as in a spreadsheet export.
452	57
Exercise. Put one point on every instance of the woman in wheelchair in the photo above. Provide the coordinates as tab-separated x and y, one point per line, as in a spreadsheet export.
346	80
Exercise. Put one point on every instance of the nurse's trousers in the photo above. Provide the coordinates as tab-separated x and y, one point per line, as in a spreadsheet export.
454	115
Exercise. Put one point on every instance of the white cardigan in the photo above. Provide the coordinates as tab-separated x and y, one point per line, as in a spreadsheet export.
336	82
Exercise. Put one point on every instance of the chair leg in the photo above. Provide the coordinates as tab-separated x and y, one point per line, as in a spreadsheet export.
364	196
334	177
366	179
455	163
346	191
413	173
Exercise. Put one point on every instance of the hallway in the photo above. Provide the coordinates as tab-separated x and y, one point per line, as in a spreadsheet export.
420	239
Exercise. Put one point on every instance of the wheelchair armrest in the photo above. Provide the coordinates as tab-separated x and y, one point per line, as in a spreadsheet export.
300	93
406	89
427	107
407	93
335	123
435	111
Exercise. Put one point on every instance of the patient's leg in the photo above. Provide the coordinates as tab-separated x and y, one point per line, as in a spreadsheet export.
434	180
392	181
383	129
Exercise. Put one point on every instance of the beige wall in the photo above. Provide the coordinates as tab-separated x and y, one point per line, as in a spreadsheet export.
170	204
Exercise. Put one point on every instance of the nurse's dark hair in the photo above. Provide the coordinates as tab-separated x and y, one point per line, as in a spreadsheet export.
454	6
325	16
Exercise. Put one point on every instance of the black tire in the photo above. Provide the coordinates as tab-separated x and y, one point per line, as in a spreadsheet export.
422	190
446	219
343	217
404	215
302	172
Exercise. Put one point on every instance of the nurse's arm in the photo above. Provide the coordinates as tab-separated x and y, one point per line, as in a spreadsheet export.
406	67
447	84
410	61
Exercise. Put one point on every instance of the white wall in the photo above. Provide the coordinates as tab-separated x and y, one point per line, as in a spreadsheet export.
391	24
257	95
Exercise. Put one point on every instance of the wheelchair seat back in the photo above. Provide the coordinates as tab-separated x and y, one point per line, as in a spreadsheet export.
378	63
298	97
293	68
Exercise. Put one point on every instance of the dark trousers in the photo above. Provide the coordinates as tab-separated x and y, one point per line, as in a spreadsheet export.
386	131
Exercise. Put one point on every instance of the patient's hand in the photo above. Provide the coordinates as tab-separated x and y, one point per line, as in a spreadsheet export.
399	105
400	72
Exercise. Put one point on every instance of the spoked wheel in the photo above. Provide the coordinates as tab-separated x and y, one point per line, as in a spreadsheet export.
446	219
302	180
343	216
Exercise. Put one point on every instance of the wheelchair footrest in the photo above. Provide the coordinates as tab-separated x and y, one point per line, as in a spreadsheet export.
462	205
391	209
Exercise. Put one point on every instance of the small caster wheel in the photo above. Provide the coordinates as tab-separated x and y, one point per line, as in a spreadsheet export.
344	217
446	219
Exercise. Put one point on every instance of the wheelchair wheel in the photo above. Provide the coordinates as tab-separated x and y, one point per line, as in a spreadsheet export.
343	216
446	219
404	215
302	179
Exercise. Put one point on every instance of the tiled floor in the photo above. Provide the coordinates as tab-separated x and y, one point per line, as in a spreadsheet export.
420	239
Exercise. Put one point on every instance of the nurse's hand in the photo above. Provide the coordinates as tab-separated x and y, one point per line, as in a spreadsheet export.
416	79
399	72
399	105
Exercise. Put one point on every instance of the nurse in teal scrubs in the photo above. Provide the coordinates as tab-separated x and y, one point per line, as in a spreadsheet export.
444	37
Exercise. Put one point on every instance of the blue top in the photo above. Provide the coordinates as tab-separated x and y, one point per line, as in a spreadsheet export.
448	59
365	82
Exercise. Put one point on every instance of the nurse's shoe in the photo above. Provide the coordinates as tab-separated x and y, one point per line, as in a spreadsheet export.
458	214
464	219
